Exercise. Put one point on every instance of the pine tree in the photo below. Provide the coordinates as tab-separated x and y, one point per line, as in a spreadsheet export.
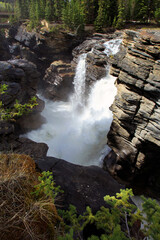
104	15
17	9
32	17
73	16
24	9
48	10
37	12
58	7
42	6
143	10
121	14
89	8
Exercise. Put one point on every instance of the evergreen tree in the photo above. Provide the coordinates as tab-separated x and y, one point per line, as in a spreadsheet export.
24	9
121	14
104	15
90	8
42	6
32	8
48	10
74	13
73	16
58	7
17	9
37	11
21	9
143	10
132	4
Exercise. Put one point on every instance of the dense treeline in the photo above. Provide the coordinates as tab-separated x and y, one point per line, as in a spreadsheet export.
101	13
5	6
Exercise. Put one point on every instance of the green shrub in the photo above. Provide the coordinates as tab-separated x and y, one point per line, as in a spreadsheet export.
18	109
47	186
116	222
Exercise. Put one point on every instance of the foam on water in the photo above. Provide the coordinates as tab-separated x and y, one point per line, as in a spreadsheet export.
76	131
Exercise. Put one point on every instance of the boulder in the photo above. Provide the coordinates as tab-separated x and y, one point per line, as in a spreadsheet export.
21	78
31	148
83	186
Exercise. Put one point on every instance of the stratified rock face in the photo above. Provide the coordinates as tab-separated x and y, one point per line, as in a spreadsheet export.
135	131
58	80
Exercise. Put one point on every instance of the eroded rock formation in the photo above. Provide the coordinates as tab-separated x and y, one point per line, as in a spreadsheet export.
135	132
58	80
21	78
42	47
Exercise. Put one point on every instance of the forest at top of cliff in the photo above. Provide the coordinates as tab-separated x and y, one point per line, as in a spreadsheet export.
75	13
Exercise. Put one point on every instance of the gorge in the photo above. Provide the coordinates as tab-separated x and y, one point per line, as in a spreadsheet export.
76	130
133	136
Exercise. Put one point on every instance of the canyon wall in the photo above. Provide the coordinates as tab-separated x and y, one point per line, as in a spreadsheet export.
134	136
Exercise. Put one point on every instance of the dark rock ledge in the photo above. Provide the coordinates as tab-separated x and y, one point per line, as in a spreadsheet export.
21	78
83	186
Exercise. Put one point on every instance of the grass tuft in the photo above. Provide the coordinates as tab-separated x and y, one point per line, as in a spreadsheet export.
22	214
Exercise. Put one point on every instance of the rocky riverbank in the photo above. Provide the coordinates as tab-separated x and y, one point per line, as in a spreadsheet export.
134	134
22	79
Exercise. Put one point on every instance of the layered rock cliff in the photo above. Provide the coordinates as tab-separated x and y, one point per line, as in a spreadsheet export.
134	136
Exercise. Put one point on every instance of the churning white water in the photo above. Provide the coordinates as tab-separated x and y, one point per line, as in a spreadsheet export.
75	131
79	82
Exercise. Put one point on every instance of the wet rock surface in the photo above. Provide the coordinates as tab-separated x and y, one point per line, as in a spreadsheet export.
83	186
134	135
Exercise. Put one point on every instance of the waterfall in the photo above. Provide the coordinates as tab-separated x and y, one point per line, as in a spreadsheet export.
80	136
112	46
78	98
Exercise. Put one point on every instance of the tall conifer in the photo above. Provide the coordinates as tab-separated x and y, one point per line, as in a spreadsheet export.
48	10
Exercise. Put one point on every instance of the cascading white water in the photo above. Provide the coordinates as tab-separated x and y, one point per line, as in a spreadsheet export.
80	136
79	82
112	46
